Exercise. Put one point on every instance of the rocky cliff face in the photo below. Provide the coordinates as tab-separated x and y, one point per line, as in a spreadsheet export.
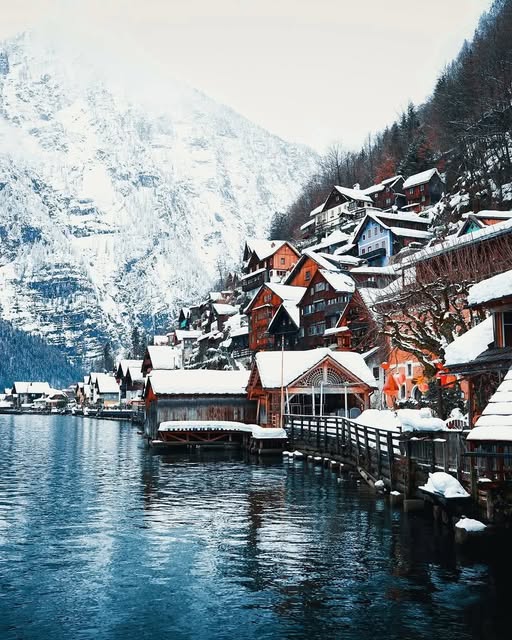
111	215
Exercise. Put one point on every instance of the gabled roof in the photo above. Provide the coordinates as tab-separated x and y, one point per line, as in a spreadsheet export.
386	220
37	388
284	291
354	194
198	382
421	178
339	281
224	309
292	311
106	383
376	188
164	357
266	248
124	365
297	363
135	374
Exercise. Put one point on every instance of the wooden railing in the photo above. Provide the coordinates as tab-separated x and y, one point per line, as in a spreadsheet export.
377	451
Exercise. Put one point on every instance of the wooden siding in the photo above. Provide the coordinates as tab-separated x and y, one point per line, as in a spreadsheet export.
262	310
230	408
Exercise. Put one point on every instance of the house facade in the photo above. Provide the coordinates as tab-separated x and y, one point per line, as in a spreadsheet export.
266	261
423	189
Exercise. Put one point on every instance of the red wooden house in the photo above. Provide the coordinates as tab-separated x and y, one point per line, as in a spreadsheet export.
262	308
324	301
423	189
267	261
388	193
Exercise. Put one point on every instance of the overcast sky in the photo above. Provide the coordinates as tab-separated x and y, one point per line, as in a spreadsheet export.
312	71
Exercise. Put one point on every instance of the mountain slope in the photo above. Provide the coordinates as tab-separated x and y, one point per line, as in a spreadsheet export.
111	215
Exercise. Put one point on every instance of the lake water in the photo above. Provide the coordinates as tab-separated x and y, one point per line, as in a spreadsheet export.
101	539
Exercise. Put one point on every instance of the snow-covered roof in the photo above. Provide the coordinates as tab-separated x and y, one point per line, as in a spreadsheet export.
402	217
411	233
335	237
354	194
262	433
224	309
454	241
334	330
32	387
160	340
340	259
241	331
191	334
296	363
495	423
420	178
494	215
106	383
164	357
264	248
471	344
318	209
307	224
252	273
339	281
128	364
389	270
136	374
494	288
199	382
286	292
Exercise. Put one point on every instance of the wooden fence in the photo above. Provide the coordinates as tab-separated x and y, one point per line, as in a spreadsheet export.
401	460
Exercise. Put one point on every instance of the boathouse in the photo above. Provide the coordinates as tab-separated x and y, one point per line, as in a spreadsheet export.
314	382
187	394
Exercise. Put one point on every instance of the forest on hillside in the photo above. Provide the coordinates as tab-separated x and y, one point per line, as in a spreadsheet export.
27	357
463	129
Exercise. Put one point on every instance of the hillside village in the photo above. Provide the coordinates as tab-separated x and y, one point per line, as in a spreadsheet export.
367	283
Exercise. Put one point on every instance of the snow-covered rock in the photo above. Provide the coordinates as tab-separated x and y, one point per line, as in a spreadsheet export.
419	420
469	524
444	484
112	215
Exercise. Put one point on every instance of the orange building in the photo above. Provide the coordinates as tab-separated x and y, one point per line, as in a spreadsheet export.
267	261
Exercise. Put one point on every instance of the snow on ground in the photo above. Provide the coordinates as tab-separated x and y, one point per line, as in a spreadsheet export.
444	484
401	420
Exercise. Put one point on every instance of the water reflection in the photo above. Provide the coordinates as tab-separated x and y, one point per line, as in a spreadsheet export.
101	539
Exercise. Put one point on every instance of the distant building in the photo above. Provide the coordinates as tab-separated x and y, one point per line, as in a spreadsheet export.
388	193
266	261
341	206
423	189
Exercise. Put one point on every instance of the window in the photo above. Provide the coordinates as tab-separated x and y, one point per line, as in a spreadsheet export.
309	308
411	191
320	286
409	368
320	305
388	200
282	260
422	187
362	251
403	392
307	275
507	329
364	236
376	372
423	198
267	298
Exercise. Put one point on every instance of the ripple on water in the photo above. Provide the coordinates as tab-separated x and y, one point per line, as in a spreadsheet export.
101	539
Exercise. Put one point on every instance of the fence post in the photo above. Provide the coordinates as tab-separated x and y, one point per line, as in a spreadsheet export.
292	429
317	434
358	449
391	458
432	455
302	428
325	435
377	453
367	450
446	452
337	436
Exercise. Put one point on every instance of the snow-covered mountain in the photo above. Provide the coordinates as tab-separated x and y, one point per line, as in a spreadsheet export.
112	214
